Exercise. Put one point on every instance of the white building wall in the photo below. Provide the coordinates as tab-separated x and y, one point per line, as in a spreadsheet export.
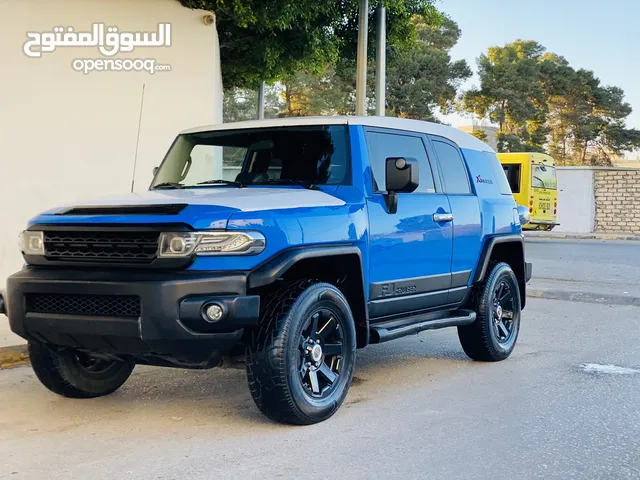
67	136
576	203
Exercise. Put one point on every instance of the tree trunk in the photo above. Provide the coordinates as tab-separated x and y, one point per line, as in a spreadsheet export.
217	78
584	151
287	100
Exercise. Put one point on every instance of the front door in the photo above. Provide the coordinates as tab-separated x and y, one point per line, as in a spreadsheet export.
410	251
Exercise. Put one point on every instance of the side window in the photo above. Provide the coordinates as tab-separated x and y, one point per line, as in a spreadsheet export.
385	145
454	171
512	171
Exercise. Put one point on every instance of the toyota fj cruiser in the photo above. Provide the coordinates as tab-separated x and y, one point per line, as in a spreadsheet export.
290	243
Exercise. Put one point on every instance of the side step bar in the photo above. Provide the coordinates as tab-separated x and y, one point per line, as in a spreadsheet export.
383	332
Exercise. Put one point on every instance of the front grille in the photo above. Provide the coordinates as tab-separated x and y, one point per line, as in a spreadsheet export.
124	306
101	247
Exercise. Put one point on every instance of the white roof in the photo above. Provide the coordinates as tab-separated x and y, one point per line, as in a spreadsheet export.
462	139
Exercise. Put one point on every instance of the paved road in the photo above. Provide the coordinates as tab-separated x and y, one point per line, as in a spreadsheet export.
565	405
607	268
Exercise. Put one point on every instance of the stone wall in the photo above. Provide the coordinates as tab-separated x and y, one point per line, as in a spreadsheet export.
617	199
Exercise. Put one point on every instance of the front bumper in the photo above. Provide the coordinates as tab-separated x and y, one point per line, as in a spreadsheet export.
168	322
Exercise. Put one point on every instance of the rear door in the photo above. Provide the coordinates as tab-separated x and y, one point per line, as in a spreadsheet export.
410	252
467	227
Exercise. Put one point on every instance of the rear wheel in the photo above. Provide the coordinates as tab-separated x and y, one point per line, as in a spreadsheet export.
492	337
75	374
301	360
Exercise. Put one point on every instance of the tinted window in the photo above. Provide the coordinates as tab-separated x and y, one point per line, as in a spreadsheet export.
512	171
387	145
454	171
317	154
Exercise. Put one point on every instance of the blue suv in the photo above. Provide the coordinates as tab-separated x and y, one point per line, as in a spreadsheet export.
285	243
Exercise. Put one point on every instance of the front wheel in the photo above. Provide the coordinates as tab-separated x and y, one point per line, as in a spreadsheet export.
75	374
302	356
492	337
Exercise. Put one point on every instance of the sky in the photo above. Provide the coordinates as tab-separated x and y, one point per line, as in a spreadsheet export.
603	36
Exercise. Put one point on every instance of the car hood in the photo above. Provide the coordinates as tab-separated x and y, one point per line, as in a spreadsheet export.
218	198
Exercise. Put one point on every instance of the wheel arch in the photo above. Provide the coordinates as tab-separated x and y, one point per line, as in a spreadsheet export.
508	249
340	265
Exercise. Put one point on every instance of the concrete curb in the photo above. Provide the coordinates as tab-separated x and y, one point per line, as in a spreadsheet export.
582	236
624	300
13	356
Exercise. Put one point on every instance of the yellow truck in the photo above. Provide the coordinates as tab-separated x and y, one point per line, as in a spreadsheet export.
533	181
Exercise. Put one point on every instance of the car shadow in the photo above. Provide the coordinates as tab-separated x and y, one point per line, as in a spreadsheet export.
155	399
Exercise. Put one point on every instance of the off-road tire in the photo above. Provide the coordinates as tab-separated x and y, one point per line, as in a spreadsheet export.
62	373
479	340
273	369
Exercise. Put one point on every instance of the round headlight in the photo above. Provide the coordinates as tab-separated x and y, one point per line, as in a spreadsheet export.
178	245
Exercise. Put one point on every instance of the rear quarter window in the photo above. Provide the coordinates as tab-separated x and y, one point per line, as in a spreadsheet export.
454	171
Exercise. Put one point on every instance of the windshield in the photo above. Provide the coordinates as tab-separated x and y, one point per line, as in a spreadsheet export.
543	176
316	155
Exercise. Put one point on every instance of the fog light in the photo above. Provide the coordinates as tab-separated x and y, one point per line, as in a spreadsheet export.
214	312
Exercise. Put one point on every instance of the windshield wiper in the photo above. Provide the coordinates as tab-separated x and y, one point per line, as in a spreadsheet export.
168	185
222	182
540	180
289	181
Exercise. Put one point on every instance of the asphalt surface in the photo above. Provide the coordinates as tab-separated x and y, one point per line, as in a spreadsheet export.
605	269
565	405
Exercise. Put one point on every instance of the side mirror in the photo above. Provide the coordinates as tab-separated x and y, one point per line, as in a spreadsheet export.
155	171
401	176
523	213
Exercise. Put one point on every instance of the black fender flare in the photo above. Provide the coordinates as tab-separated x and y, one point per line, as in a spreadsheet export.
523	272
487	250
275	267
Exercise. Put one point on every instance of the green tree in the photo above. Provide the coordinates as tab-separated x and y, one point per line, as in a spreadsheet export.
242	104
587	122
420	78
480	135
512	94
271	39
541	103
424	77
306	94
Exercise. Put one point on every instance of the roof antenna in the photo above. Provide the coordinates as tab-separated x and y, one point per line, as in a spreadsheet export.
135	159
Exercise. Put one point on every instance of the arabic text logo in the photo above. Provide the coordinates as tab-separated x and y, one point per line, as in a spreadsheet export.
108	40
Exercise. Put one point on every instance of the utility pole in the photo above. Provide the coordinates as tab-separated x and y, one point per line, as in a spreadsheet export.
361	77
261	102
381	62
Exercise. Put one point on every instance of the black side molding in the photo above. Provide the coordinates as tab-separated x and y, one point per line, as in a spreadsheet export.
483	265
277	266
